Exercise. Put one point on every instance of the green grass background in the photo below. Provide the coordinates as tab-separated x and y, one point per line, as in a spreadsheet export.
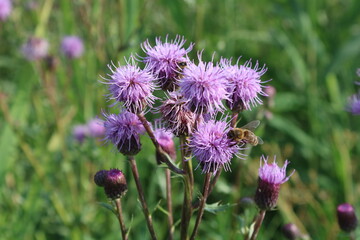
311	48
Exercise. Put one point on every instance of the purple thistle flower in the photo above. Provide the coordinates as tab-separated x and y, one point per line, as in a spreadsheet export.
165	140
176	116
72	46
96	127
212	147
271	176
131	86
164	60
35	48
244	84
346	217
80	132
5	9
123	131
204	86
354	104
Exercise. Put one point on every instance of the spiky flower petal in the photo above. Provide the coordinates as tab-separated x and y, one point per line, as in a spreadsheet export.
245	84
123	131
131	85
165	60
212	147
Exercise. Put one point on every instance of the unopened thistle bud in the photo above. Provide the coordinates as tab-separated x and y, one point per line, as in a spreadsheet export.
166	142
271	176
291	231
177	118
115	185
100	177
346	217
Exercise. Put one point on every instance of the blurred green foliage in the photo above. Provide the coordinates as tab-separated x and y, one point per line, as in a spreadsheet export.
311	48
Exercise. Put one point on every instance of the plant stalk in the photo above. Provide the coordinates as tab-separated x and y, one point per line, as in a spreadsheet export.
188	190
169	204
141	197
206	188
121	218
157	145
258	223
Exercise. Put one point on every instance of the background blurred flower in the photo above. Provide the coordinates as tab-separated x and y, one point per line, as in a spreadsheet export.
80	132
96	127
353	105
72	46
35	48
5	9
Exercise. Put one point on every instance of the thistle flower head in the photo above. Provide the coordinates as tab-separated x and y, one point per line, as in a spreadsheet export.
244	84
176	116
132	86
346	217
164	59
5	9
204	86
354	104
96	127
271	176
72	46
165	140
35	48
212	147
123	131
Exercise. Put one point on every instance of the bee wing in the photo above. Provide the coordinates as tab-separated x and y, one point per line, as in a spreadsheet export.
260	141
252	125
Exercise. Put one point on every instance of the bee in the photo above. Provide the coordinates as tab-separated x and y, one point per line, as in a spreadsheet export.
245	134
181	66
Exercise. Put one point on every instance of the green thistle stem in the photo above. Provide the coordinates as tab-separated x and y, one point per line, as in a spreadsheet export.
141	197
206	188
259	220
121	218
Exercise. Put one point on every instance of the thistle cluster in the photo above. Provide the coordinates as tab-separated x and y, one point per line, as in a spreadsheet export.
195	92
